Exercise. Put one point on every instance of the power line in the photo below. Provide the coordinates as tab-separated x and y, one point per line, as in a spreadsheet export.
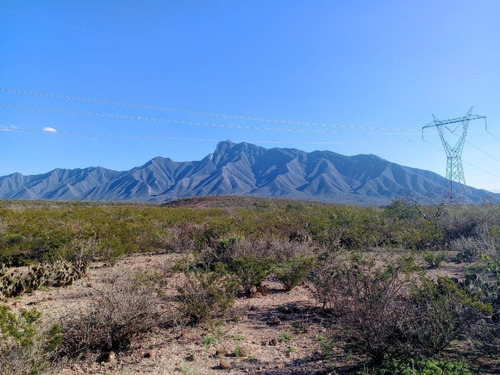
90	134
484	152
199	113
469	164
182	122
432	145
493	135
153	137
481	169
150	137
479	148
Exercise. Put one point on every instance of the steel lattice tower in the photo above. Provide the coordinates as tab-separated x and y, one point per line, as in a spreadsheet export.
454	169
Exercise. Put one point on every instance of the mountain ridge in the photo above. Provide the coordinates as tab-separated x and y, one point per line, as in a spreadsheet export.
242	169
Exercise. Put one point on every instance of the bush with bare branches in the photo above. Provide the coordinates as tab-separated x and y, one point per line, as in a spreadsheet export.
478	242
386	313
123	308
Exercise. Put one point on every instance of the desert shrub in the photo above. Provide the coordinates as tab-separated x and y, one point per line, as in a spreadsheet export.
434	259
399	209
3	226
470	248
178	239
440	312
25	347
463	221
206	294
123	308
214	229
228	249
415	226
282	251
82	249
369	303
223	251
251	261
251	271
385	313
423	235
419	367
293	271
485	285
324	276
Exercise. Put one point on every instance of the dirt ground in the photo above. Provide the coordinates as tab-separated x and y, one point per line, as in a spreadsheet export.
276	333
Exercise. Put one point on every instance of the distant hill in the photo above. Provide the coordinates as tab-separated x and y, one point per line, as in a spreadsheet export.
242	169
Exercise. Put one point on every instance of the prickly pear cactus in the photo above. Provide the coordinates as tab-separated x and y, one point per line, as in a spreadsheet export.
56	274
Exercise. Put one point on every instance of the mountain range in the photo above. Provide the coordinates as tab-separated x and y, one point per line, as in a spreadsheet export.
242	169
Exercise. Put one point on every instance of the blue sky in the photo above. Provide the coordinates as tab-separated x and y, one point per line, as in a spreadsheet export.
373	71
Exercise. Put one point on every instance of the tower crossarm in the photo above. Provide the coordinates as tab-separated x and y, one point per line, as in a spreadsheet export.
454	169
464	120
455	120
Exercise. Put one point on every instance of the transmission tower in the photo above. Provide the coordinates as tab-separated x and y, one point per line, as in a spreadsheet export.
454	170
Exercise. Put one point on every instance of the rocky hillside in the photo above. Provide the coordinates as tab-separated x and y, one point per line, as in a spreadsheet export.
242	169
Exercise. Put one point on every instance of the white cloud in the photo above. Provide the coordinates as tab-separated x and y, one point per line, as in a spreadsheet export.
10	128
49	130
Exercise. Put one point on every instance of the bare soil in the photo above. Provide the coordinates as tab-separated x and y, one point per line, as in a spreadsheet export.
279	331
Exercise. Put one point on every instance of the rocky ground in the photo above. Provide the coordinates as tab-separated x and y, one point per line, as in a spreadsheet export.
274	333
277	332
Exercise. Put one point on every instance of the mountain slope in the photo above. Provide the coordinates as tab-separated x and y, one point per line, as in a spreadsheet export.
242	169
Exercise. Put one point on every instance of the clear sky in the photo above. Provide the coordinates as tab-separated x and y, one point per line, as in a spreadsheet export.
373	71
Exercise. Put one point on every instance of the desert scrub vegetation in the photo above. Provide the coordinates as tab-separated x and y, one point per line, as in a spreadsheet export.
294	271
387	313
206	294
59	273
47	231
384	309
122	309
26	348
426	367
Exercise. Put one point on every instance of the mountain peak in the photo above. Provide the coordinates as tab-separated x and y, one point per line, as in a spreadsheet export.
224	145
242	169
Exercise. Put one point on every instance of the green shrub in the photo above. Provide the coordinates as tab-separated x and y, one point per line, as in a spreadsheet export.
293	271
284	337
327	346
434	259
386	314
440	312
251	271
224	250
205	294
401	210
25	348
485	285
419	367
